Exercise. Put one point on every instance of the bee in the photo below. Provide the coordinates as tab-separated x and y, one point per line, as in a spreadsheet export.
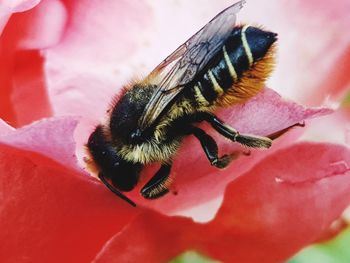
223	64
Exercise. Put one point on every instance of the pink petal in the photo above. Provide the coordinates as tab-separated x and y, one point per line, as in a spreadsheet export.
310	45
52	138
5	128
197	182
335	84
335	81
4	17
82	83
126	44
334	127
19	5
86	69
287	201
311	40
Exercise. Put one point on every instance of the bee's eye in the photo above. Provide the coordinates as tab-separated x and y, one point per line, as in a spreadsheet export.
136	136
116	164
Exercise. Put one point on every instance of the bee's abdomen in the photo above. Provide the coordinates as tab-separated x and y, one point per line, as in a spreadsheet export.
238	71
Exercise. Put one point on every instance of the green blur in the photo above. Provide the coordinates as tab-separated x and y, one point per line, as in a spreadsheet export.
336	250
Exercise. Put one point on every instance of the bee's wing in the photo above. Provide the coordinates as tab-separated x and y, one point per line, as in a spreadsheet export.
184	63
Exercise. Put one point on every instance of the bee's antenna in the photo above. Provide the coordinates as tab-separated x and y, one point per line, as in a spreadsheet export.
114	190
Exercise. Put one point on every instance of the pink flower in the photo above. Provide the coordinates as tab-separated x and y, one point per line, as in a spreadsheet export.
63	58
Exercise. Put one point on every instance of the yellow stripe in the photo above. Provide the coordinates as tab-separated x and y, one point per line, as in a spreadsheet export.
199	96
216	85
246	45
229	64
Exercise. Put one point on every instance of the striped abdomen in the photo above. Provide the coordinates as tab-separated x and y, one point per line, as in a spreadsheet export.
238	71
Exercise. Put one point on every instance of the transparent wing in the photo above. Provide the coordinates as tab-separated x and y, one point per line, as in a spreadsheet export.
185	62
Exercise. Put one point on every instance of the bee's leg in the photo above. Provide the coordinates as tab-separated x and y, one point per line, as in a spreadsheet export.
159	183
230	133
210	148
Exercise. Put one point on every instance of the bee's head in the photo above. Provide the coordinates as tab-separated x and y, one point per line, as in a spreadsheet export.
123	174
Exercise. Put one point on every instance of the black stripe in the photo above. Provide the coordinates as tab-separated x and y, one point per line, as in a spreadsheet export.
222	74
259	42
236	52
207	89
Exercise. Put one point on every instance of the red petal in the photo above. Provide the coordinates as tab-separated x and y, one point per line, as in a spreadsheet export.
22	87
284	203
53	214
292	198
28	88
21	72
151	237
41	27
10	6
6	69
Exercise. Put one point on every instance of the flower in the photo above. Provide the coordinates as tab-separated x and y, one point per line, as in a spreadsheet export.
273	202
